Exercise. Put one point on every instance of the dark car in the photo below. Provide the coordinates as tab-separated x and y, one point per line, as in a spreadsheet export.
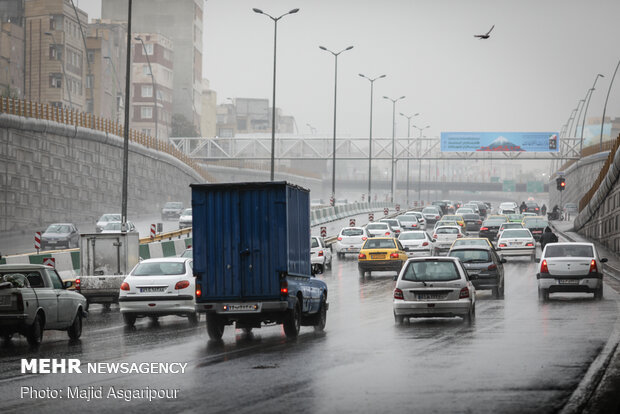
472	221
60	236
484	266
532	208
490	228
442	206
482	208
536	226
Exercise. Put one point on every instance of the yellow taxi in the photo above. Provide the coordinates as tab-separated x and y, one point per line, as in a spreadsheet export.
472	241
381	254
459	219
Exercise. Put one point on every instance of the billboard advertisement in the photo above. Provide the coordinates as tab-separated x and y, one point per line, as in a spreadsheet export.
500	141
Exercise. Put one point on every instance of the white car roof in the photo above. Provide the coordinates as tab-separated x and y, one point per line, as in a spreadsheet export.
173	259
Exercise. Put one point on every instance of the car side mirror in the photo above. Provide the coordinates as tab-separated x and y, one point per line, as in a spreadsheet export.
472	277
604	260
503	260
434	240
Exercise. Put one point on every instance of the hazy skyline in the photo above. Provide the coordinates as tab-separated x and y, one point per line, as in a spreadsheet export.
540	60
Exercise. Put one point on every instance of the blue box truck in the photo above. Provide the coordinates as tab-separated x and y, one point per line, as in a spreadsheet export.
251	247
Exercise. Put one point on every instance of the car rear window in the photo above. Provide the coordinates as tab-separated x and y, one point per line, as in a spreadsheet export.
379	244
568	250
159	269
447	230
536	223
512	226
472	256
352	232
515	233
17	279
429	210
494	222
407	218
390	222
470	242
411	236
315	243
431	271
378	226
471	217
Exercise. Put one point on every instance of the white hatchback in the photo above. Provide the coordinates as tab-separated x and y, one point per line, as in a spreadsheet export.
379	230
158	287
516	242
416	243
320	253
350	240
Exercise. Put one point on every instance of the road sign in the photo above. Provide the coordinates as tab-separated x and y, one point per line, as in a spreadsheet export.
386	211
397	208
509	186
351	222
153	228
371	217
49	261
535	187
37	240
323	231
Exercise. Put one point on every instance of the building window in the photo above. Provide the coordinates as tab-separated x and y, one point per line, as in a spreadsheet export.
56	22
147	91
91	56
146	70
147	47
55	80
146	112
55	52
167	55
89	81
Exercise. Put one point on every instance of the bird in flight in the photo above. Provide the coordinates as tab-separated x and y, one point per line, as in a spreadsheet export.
486	35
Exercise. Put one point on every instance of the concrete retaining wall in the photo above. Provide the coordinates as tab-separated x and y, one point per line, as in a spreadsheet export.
52	172
579	179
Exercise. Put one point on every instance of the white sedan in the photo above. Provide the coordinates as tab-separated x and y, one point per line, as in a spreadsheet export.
570	267
517	242
416	243
185	219
158	287
379	230
320	253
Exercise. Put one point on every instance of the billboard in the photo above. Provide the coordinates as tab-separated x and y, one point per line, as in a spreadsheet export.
500	141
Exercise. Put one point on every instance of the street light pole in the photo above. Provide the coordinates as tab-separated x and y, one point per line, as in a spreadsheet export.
583	123
605	107
154	89
372	84
126	125
393	140
579	104
420	160
333	198
116	87
64	74
273	99
193	107
408	145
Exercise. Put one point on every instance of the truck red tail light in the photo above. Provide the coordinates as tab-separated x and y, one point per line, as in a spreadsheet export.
529	245
464	294
484	228
284	288
339	238
593	268
78	284
394	256
398	294
503	245
198	290
183	284
544	268
361	256
320	253
125	286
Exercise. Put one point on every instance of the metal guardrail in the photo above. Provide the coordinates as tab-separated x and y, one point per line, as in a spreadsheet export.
169	236
47	112
602	174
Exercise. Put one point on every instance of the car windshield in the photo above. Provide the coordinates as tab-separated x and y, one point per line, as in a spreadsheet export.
536	223
110	217
159	269
377	226
431	271
173	204
516	234
379	244
447	230
58	228
314	243
411	236
187	212
352	232
568	250
472	256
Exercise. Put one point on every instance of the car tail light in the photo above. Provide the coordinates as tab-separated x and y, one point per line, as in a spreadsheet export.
78	284
536	209
479	222
529	245
397	231
198	290
545	269
492	267
464	293
437	217
483	228
503	245
387	233
339	238
124	286
458	236
361	256
593	268
425	244
181	284
284	288
398	294
364	238
320	253
414	225
394	256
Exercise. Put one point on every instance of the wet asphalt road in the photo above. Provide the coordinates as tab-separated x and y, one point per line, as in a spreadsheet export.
519	356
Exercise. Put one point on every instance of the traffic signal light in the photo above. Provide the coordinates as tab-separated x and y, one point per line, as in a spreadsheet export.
560	183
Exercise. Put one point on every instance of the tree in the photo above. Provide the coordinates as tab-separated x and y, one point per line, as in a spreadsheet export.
182	127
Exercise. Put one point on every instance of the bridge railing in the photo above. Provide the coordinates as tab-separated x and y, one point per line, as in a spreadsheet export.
48	112
612	146
589	150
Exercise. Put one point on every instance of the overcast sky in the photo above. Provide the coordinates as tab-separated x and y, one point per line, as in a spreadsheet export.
541	59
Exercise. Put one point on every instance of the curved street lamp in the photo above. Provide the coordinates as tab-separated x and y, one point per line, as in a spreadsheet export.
585	113
420	160
605	107
393	144
372	84
333	198
273	100
408	145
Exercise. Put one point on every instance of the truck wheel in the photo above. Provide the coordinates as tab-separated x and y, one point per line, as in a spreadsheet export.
129	319
321	317
35	332
292	324
75	330
193	318
215	326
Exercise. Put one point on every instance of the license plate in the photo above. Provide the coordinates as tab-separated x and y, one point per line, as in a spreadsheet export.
5	300
515	243
51	242
430	296
537	231
152	289
568	281
242	307
377	256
